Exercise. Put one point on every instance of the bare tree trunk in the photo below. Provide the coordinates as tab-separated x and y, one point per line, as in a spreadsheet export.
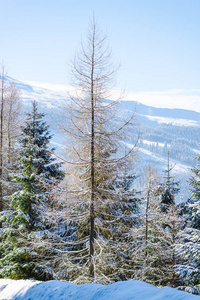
146	225
11	120
9	129
92	215
1	142
9	132
173	246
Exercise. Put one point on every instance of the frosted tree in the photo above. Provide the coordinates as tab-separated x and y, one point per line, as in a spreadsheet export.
10	121
21	250
93	196
170	188
37	131
149	237
13	120
172	221
2	135
189	249
195	191
154	238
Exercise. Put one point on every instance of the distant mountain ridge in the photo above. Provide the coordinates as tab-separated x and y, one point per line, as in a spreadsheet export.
161	130
162	112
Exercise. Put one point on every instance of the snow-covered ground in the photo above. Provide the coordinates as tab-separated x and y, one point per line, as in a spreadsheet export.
153	143
173	121
59	290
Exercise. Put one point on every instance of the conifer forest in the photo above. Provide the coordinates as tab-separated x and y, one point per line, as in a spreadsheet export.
78	216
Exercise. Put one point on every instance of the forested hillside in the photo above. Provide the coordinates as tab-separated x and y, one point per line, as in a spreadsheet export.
160	131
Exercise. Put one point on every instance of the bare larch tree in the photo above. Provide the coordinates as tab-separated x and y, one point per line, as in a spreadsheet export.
95	156
10	121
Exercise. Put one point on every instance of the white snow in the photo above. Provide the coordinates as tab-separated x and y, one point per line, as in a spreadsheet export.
60	290
162	145
173	121
196	151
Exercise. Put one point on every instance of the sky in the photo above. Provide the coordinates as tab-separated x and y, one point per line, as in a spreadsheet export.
156	43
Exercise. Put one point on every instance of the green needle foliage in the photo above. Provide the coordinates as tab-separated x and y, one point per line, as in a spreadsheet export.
21	251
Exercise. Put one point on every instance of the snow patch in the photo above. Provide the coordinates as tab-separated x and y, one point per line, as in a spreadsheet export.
173	121
162	145
59	290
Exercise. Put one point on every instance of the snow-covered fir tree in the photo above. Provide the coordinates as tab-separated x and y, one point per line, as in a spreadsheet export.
21	249
37	131
172	221
170	188
154	239
189	249
194	204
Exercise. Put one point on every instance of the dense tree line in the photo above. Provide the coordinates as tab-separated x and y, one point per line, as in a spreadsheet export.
182	141
82	219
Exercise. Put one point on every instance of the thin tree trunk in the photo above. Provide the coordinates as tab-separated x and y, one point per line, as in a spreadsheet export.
173	253
9	132
146	227
1	144
92	215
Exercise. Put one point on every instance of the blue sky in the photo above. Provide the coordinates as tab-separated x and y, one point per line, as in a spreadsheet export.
157	42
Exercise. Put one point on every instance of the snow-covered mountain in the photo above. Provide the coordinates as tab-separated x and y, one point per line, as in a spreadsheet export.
161	130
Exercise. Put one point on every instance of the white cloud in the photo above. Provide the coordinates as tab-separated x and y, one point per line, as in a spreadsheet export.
48	86
186	99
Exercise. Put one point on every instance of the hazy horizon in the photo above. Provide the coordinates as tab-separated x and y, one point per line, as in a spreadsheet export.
156	42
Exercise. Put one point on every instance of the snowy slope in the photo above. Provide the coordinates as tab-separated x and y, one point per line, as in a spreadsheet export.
58	290
176	130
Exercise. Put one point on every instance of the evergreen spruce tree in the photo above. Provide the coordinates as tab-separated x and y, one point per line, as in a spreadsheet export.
172	221
194	204
22	224
170	189
155	237
149	238
189	248
127	209
37	131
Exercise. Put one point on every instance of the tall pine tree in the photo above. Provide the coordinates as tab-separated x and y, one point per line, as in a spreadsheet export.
21	253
